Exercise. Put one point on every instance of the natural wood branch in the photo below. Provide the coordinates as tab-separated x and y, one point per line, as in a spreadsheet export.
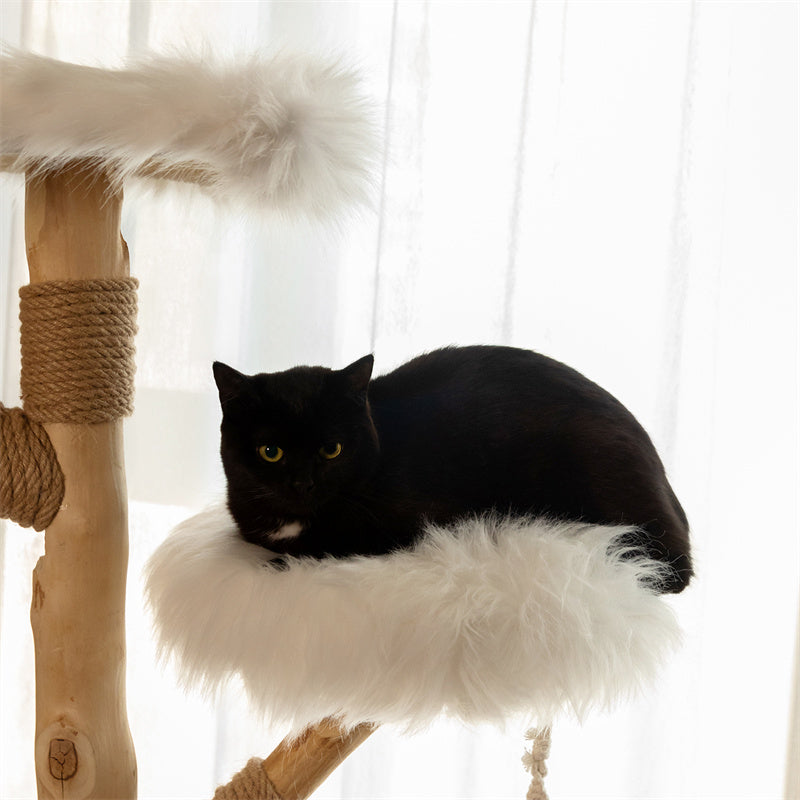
297	766
83	743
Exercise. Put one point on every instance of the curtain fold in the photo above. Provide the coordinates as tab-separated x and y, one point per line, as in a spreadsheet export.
612	184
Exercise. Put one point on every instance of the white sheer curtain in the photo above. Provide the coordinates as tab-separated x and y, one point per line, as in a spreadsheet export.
612	183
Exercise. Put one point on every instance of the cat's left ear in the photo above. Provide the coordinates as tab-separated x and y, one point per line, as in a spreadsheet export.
357	375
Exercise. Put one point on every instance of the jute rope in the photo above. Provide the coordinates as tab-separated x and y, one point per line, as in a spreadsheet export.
77	349
77	367
31	481
535	761
251	783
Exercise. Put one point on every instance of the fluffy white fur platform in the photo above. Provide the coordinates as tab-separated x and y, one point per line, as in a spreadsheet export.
491	619
292	133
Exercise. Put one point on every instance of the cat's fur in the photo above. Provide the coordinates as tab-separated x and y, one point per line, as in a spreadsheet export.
454	433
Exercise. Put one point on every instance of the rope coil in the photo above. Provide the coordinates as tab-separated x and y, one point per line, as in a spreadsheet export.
250	783
31	481
77	350
77	367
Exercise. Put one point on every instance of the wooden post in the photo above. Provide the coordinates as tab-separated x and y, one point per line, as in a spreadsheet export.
83	744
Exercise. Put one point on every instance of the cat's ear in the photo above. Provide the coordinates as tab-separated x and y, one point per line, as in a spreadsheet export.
229	382
356	376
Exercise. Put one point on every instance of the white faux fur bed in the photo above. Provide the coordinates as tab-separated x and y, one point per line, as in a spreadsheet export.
490	619
292	133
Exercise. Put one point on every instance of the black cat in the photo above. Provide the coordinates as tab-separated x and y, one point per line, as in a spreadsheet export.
328	463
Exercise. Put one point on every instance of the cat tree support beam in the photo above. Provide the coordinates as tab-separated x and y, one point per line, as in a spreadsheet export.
298	765
83	744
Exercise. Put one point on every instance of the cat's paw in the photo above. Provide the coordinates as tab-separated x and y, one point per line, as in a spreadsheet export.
279	564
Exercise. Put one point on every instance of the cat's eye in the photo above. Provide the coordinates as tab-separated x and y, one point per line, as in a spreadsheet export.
330	451
270	452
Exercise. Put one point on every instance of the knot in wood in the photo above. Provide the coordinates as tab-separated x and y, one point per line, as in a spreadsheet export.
31	481
63	759
77	349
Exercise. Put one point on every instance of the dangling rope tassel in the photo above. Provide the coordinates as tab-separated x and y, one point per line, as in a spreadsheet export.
534	761
251	783
31	481
77	367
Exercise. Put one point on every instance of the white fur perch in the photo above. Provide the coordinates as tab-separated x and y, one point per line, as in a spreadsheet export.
490	619
292	133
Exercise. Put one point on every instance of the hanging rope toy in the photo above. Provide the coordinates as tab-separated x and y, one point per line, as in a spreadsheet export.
535	760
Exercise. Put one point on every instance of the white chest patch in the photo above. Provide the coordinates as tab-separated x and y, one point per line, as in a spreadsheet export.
290	530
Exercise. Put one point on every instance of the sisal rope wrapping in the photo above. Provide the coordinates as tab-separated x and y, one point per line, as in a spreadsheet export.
31	481
250	783
77	350
78	368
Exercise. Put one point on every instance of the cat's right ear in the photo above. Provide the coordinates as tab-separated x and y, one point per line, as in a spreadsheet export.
229	382
357	375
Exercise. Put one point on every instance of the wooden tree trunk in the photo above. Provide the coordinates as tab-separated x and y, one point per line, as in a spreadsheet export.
83	744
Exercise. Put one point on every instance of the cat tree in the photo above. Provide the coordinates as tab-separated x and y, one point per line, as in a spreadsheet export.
531	617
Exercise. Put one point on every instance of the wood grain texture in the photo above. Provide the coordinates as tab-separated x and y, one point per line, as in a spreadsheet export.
83	744
298	766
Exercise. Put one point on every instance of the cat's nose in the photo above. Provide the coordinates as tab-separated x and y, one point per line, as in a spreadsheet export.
303	485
